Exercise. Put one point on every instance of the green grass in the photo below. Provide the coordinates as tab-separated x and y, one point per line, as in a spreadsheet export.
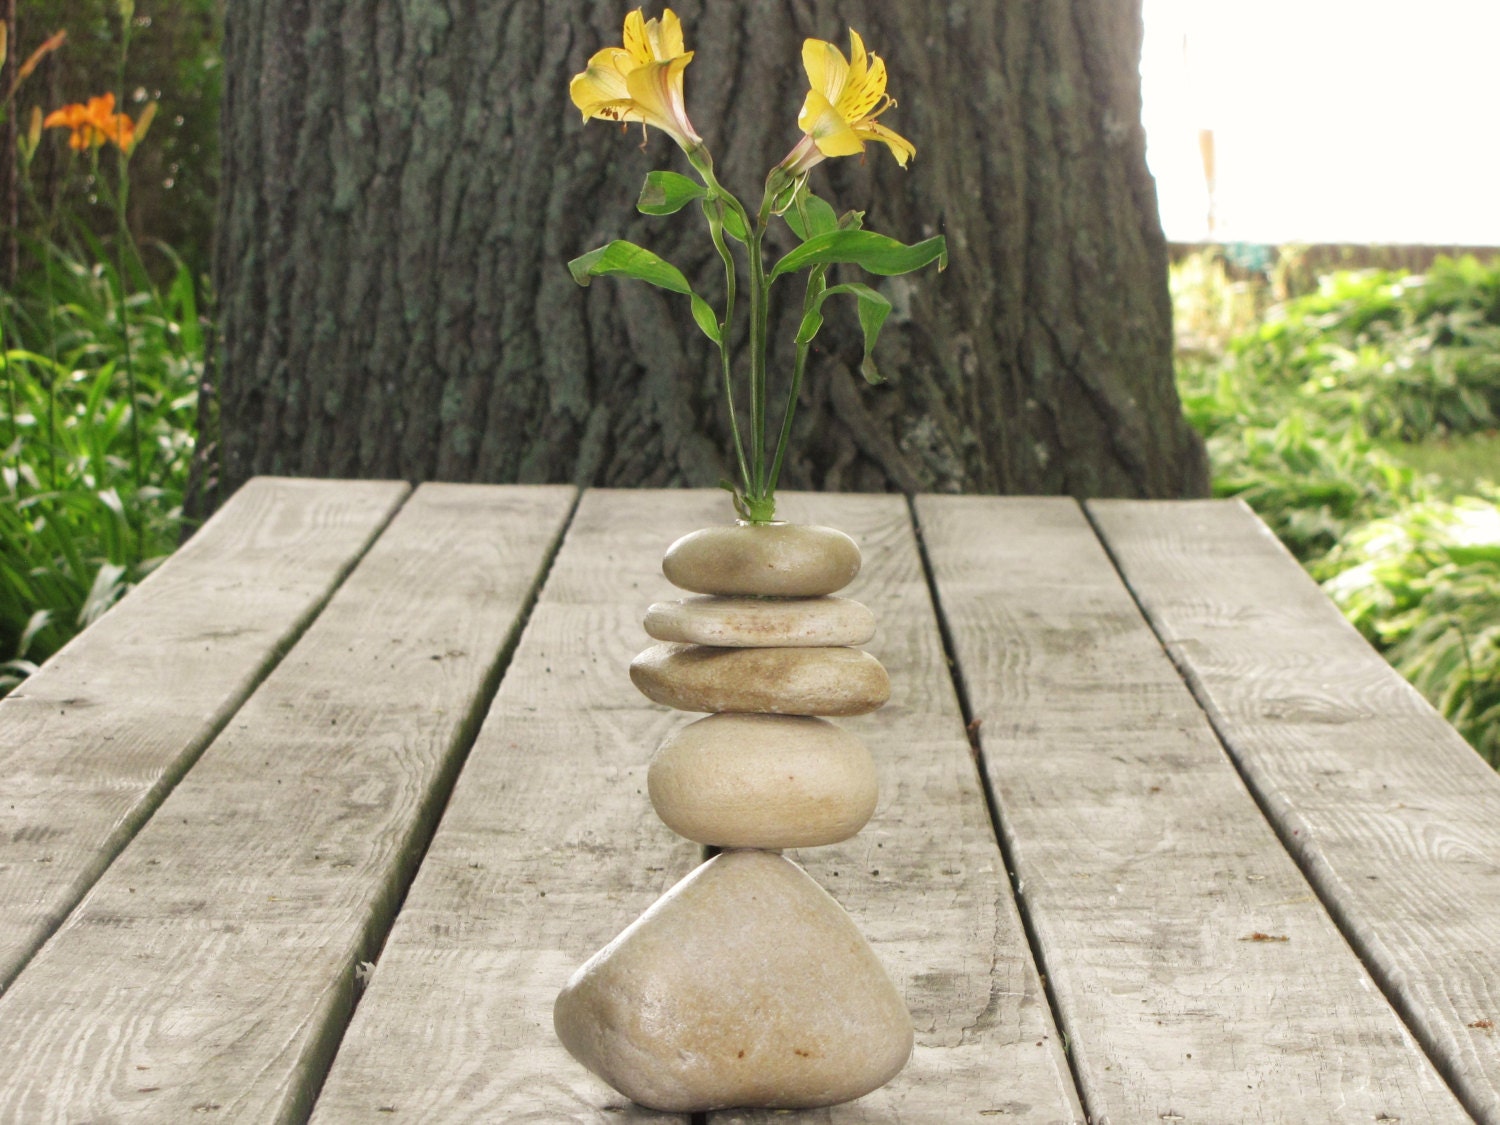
92	476
1459	464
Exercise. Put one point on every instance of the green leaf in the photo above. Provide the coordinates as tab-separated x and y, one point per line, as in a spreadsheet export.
666	193
626	259
812	321
735	226
873	309
706	318
872	252
811	216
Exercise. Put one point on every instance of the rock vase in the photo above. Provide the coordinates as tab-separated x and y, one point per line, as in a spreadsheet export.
746	985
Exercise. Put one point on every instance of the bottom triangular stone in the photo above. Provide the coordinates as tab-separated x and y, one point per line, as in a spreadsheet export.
746	984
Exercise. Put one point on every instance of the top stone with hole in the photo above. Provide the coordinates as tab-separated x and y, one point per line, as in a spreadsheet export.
773	560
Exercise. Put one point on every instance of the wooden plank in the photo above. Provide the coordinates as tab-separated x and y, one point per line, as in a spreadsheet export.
211	969
1394	818
1196	975
925	880
92	742
548	848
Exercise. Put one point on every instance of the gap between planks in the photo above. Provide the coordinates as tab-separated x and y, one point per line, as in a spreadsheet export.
160	1005
1085	718
261	491
468	733
976	746
1429	1000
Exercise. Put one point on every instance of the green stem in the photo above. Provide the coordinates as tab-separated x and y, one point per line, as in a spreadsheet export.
784	439
123	244
51	297
716	231
799	365
758	318
10	384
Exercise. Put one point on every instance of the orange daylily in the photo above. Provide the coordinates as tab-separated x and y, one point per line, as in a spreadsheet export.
844	98
641	81
93	123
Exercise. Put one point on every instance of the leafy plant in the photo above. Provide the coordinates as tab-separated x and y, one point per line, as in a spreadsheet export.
642	81
1424	586
78	529
1408	357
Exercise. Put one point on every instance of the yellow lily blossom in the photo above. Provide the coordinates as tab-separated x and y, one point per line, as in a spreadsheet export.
844	98
641	81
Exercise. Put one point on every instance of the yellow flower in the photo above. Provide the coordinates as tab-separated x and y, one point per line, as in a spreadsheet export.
844	99
641	81
94	123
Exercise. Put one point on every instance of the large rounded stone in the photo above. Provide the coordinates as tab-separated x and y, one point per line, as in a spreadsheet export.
763	781
776	681
761	622
778	559
744	985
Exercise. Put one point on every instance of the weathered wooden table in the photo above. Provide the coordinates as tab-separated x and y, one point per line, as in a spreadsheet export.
318	820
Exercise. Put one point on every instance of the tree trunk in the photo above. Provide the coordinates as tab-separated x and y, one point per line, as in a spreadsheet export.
405	181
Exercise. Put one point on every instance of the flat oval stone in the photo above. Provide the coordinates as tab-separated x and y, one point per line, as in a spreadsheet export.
763	781
744	985
775	681
777	559
761	622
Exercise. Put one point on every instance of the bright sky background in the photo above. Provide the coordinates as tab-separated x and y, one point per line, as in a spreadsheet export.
1334	120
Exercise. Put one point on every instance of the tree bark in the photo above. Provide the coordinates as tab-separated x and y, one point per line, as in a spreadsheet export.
404	182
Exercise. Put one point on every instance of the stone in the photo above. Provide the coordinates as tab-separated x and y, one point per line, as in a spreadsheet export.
776	559
745	985
761	622
763	781
776	681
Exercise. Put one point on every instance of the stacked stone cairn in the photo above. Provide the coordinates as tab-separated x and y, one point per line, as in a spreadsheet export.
746	984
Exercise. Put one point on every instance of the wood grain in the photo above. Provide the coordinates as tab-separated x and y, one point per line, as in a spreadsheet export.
211	969
92	742
1196	975
924	880
1394	818
548	848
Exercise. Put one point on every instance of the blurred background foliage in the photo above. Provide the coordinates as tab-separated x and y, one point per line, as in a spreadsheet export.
173	60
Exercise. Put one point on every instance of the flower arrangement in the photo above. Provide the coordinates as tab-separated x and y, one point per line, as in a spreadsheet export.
642	82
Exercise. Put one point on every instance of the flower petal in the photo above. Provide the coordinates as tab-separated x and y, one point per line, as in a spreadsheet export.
901	148
827	70
857	60
669	40
637	44
828	129
656	90
603	83
68	117
866	90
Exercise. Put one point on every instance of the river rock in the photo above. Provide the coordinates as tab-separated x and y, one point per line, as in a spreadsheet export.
744	985
777	559
761	622
763	781
777	681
